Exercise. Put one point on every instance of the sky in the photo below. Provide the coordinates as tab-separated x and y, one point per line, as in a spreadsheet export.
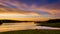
48	8
39	2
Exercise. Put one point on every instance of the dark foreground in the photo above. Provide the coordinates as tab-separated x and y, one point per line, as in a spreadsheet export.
33	32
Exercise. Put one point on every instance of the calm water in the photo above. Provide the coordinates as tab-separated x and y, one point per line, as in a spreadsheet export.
21	26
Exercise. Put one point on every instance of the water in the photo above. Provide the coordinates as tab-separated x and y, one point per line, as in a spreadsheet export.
22	26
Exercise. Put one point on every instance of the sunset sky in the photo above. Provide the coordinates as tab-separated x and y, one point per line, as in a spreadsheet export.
46	8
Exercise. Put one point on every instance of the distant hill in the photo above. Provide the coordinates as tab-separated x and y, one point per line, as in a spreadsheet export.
8	21
50	23
53	21
12	21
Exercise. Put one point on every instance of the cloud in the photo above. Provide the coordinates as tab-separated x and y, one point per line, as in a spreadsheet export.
53	9
50	10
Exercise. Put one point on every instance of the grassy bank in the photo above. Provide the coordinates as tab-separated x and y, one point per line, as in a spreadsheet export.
49	24
33	32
